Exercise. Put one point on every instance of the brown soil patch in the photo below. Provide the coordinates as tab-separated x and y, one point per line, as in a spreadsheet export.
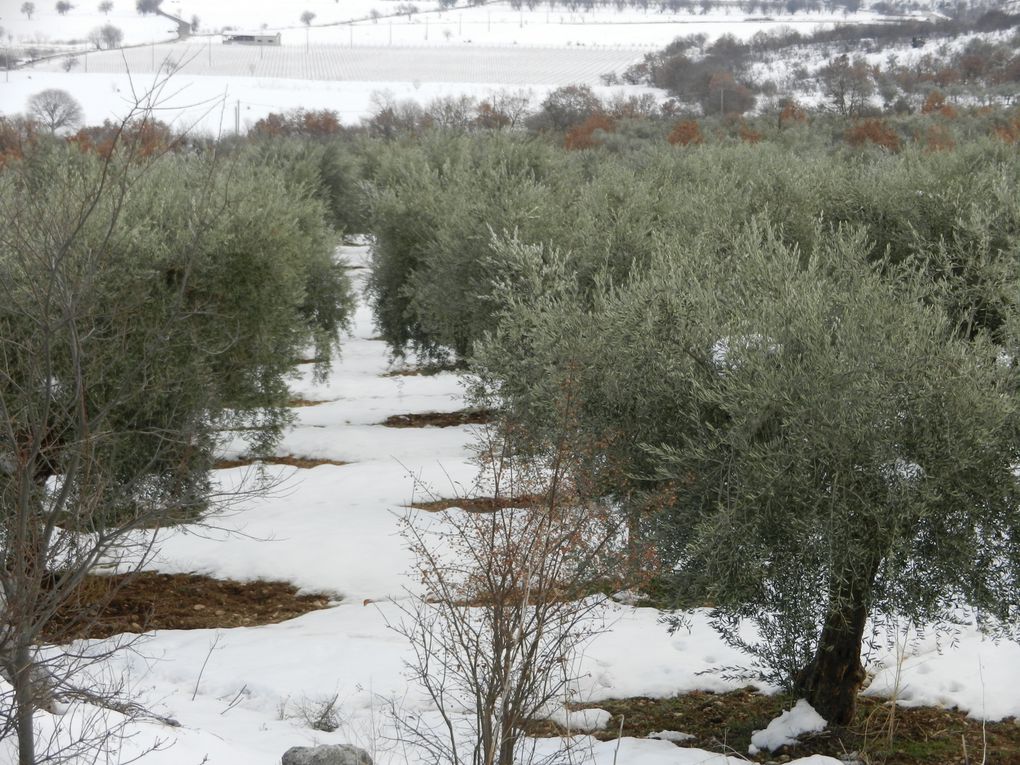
426	371
108	605
310	361
480	504
724	723
297	403
291	461
440	419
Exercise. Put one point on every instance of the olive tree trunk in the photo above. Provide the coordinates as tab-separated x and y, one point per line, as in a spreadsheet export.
833	678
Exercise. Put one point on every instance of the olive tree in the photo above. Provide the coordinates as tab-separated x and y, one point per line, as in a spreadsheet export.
149	303
852	457
432	214
819	443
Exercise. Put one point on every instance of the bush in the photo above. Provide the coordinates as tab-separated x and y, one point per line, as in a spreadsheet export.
685	133
874	132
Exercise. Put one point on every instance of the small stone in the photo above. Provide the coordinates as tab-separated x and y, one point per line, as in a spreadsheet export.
198	607
220	612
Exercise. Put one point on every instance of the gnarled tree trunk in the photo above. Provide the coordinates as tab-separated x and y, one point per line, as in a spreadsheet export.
833	678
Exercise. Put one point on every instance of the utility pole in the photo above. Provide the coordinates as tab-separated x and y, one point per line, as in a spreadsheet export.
237	117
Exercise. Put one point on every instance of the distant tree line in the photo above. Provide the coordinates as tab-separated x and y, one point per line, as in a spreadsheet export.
731	75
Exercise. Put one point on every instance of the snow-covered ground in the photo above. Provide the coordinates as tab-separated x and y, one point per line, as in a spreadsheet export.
345	56
239	693
349	82
46	27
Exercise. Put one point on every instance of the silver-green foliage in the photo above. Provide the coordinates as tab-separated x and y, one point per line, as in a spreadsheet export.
146	304
194	289
795	418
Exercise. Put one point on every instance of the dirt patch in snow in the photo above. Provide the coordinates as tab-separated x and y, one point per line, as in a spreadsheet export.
299	462
296	403
108	605
426	371
440	419
480	504
724	723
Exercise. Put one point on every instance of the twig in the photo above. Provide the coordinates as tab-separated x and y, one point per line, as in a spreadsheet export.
236	700
619	738
212	647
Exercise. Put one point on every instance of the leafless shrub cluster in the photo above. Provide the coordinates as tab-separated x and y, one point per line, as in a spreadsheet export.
508	601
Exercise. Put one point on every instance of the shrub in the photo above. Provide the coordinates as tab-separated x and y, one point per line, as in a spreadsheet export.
685	133
583	136
873	131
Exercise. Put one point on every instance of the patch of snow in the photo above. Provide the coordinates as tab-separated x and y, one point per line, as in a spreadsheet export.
976	674
628	597
581	720
671	735
786	728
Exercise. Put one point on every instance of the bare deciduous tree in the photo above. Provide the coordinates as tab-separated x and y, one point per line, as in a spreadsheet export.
510	597
107	36
56	109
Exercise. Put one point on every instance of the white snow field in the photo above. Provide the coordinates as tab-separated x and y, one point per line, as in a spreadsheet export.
238	693
345	57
